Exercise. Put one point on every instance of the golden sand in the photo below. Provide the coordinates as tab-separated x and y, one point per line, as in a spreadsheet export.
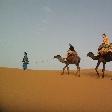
48	91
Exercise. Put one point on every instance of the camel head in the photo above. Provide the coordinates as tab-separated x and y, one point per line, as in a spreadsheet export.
90	54
57	56
60	58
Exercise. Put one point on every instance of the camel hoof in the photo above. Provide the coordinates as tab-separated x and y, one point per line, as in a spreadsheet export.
98	77
76	73
62	73
102	76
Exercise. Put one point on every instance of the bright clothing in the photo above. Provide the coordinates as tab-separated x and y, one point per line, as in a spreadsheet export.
106	40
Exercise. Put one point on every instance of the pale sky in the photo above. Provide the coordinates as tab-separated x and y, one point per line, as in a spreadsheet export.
44	28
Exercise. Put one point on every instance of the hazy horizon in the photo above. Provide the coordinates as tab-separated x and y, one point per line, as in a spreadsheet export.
44	28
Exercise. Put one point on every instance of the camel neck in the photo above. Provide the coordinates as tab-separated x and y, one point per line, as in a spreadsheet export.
61	59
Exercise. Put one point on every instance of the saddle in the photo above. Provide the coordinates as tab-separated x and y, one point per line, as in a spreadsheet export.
104	49
71	57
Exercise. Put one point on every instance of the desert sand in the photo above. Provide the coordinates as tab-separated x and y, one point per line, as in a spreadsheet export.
48	91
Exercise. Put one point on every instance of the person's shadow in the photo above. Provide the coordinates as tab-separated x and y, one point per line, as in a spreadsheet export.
2	109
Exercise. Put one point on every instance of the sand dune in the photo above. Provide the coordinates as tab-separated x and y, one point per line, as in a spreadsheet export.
48	91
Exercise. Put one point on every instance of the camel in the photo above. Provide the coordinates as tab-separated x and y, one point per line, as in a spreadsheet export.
101	59
70	60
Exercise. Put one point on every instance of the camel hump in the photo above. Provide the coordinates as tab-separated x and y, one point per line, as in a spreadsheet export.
72	57
104	49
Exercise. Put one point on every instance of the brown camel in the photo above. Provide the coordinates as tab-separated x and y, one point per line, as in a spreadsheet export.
101	59
70	60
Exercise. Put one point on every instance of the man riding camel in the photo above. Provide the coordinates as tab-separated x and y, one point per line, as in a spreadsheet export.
70	52
106	39
105	46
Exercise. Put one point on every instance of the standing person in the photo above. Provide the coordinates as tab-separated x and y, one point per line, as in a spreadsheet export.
25	61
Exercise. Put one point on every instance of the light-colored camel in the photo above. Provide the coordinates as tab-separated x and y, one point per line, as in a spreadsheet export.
70	60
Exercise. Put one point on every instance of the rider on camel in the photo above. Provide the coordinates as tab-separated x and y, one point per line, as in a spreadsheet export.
106	39
71	52
105	46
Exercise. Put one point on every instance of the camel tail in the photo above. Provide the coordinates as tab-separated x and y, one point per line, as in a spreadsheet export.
79	60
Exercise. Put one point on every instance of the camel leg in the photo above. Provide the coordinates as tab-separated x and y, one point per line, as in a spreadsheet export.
103	70
97	68
64	70
78	70
68	70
